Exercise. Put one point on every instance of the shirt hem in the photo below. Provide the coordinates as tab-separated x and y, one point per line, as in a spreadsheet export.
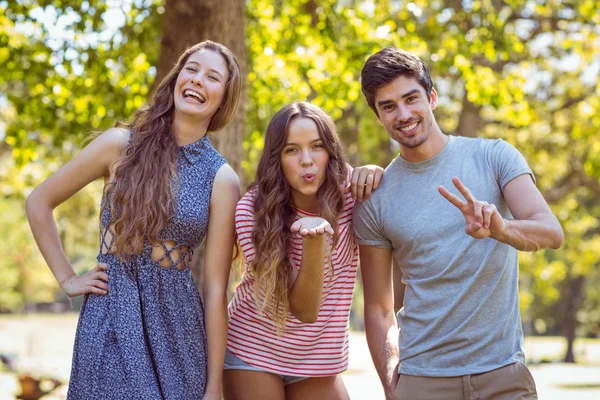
451	372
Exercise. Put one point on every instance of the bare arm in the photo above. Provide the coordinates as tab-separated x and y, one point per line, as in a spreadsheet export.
217	264
94	161
306	292
380	322
307	289
534	227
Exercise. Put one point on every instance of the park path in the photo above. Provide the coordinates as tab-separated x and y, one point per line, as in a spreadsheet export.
44	344
555	381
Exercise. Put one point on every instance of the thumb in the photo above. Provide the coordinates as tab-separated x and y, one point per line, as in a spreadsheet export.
296	226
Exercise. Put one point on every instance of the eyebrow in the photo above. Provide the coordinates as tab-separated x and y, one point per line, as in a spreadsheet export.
212	69
296	144
405	95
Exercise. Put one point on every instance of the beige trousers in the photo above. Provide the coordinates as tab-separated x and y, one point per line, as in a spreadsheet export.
511	382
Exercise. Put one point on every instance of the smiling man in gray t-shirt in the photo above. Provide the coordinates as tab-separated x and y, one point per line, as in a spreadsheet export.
460	331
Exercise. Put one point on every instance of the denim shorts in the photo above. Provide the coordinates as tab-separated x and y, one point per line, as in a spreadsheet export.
234	362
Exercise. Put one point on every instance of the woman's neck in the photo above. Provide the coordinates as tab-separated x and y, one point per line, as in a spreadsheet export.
188	130
309	204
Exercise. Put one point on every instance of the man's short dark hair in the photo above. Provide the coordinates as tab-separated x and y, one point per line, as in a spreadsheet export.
388	64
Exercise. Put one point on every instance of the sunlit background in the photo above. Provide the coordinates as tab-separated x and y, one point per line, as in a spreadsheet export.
524	71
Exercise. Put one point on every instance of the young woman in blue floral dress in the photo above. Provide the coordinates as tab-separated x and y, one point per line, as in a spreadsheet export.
143	332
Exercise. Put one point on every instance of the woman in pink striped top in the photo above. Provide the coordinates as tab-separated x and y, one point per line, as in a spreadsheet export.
288	320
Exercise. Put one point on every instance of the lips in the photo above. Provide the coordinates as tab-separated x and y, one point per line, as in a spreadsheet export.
309	177
194	96
408	129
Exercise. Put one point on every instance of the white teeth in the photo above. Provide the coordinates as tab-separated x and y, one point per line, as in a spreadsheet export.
194	94
409	127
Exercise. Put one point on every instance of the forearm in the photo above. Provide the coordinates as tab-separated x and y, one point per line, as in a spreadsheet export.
306	292
216	336
533	234
45	233
382	338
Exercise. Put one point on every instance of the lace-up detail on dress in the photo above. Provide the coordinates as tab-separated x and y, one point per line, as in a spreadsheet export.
107	239
183	256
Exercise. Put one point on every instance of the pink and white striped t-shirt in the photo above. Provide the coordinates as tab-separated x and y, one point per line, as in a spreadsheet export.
317	349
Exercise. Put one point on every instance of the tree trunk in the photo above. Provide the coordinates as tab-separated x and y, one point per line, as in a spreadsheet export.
572	296
187	22
469	122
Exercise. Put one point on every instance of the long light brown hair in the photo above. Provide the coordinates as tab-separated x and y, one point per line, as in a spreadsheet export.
274	206
141	194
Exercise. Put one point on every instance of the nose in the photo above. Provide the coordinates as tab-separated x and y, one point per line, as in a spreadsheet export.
306	160
197	80
403	114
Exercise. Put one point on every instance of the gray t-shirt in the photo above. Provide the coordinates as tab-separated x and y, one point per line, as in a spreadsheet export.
461	305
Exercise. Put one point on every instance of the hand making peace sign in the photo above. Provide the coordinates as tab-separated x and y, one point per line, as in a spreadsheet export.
482	219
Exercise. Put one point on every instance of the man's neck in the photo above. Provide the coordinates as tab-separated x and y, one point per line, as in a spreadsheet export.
434	144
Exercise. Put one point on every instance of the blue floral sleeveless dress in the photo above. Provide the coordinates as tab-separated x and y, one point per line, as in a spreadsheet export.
146	338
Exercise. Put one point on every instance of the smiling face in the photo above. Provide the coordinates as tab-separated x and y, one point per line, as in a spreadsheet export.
200	85
304	161
405	111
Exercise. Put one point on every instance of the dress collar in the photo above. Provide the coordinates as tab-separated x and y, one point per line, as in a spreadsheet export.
193	152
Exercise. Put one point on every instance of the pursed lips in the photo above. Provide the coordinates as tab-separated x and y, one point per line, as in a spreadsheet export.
309	176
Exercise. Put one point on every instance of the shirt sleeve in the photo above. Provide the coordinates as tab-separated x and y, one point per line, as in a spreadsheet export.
244	225
367	227
506	162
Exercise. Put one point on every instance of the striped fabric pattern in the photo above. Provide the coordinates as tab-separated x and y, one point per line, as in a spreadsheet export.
318	349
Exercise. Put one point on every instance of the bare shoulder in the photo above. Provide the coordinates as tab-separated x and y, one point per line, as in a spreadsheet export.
227	177
226	188
115	139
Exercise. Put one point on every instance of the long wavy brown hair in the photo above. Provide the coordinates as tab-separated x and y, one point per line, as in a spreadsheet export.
140	192
274	207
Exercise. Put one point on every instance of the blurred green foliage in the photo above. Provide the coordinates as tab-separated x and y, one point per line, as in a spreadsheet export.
525	71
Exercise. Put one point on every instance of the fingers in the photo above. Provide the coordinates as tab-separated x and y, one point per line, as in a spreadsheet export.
363	183
100	275
97	280
296	226
100	267
364	180
311	227
95	290
472	228
463	190
368	187
313	232
378	175
489	210
456	202
93	284
354	182
486	214
99	284
478	211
